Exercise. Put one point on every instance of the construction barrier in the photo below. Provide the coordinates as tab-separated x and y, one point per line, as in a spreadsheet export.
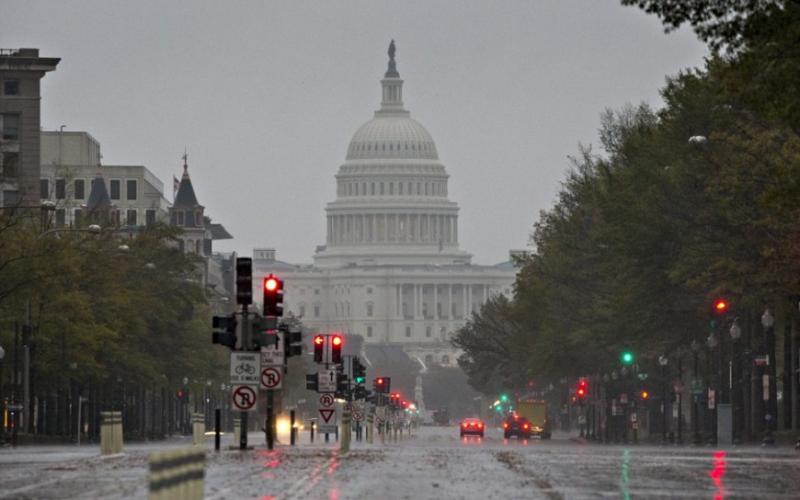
237	431
110	432
198	429
177	474
345	442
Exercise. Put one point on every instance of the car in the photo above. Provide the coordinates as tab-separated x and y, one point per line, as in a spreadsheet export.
472	426
517	426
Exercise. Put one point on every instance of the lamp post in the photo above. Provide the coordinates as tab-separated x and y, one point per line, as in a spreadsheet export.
662	363
713	386
768	379
695	347
2	401
735	375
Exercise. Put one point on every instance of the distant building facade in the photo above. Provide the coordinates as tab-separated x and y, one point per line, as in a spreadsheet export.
71	165
21	71
391	270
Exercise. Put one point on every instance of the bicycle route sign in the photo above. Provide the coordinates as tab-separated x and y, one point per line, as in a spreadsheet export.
243	397
245	368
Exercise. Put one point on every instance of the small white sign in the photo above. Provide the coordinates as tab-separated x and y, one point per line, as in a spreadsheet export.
273	354
326	381
271	377
245	368
327	428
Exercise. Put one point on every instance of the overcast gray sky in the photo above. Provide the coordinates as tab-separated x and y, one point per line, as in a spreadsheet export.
266	95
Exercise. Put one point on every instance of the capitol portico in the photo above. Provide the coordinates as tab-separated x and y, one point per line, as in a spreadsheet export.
391	269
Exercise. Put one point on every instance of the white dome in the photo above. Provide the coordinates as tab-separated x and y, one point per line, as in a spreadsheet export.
392	135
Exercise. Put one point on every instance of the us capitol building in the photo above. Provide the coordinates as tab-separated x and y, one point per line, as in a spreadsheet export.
391	269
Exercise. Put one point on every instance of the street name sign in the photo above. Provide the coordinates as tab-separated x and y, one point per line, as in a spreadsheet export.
244	368
244	397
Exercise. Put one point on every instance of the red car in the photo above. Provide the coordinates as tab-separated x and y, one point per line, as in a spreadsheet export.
473	426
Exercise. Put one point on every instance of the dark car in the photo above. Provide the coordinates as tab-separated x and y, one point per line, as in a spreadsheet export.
472	426
516	426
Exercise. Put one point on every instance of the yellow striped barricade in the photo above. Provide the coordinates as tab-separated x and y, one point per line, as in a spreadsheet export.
110	432
177	474
198	429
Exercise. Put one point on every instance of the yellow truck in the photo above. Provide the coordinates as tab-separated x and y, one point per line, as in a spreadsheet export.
535	410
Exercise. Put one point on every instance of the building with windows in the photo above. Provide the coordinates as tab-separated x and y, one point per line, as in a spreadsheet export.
391	269
71	164
21	71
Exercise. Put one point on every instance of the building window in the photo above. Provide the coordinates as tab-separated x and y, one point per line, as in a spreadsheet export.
369	290
408	331
369	331
10	165
316	291
10	125
10	198
190	222
302	310
115	217
198	218
400	188
130	217
44	189
180	217
381	188
419	191
61	189
79	189
131	189
369	309
372	189
428	331
115	189
445	359
11	87
77	217
316	310
198	249
61	217
442	333
150	217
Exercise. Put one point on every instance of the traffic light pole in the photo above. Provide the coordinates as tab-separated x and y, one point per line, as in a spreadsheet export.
270	419
246	345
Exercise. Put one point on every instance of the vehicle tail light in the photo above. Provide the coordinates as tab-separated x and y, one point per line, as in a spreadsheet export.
480	425
505	425
464	424
525	426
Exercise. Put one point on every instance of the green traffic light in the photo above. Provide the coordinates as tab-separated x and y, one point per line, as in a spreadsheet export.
627	358
360	380
499	408
504	398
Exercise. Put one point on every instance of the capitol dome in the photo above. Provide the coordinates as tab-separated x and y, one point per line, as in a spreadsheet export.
392	135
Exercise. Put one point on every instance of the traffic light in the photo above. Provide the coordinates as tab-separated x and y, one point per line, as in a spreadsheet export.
360	392
394	399
582	390
224	331
342	385
721	306
273	296
336	348
644	395
244	280
504	398
312	382
265	333
359	372
382	385
319	348
293	339
627	357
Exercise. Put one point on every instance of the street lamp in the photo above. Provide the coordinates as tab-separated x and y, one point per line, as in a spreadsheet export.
770	407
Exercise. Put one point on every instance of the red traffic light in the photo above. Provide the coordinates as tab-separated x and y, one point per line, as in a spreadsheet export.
336	341
581	391
270	284
379	381
319	340
721	306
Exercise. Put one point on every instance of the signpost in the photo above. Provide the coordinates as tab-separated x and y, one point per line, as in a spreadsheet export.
271	377
243	397
327	380
327	413
244	368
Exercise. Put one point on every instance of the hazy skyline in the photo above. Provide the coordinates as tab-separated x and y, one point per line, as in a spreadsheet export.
266	96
